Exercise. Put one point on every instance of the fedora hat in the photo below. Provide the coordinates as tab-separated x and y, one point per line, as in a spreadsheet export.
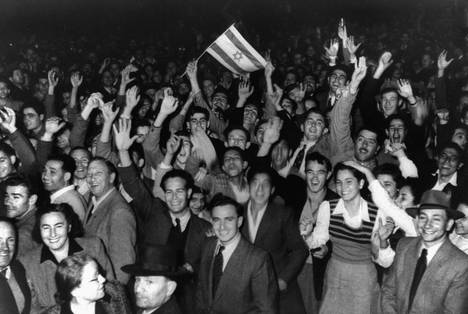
433	199
157	260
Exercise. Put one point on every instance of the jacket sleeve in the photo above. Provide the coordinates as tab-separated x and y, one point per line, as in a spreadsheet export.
388	291
78	132
456	300
265	287
340	126
24	151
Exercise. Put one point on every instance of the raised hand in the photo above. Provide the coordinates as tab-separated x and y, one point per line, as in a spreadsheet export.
342	33
107	113
132	97
351	46
385	230
272	130
123	141
76	79
53	79
53	125
125	74
8	119
385	60
404	89
360	70
192	70
269	68
442	62
94	101
173	144
169	103
245	89
332	49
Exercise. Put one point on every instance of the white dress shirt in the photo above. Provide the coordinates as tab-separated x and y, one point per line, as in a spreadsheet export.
60	192
183	220
228	249
439	186
253	226
97	202
431	251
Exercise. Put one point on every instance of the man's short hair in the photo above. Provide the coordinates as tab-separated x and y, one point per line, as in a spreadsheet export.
340	67
21	181
316	110
11	222
36	106
319	158
397	116
177	173
240	151
232	127
389	90
76	148
391	170
373	130
222	200
68	163
451	145
197	109
7	149
261	169
110	166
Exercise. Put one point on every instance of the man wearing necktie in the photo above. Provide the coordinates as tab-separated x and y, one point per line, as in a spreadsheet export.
15	296
235	276
429	274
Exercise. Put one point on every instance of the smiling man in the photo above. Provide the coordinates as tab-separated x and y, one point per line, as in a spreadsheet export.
235	276
429	274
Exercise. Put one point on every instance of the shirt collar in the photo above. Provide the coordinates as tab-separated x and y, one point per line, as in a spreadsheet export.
363	209
97	202
230	247
46	254
453	180
60	192
8	272
431	251
183	219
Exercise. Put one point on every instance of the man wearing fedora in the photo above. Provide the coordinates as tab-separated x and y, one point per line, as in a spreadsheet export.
235	276
429	274
155	280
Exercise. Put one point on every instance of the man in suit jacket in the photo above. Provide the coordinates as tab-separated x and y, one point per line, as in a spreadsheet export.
110	218
15	296
429	274
271	226
165	222
244	282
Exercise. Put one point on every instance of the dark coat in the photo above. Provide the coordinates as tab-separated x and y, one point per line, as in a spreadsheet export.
7	300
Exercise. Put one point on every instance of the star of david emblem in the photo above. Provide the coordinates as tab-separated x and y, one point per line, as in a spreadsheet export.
237	56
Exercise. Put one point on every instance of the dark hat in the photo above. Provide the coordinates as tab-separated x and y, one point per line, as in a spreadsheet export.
157	260
433	199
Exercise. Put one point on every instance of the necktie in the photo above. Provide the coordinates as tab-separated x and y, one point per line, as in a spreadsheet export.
3	272
178	226
217	268
90	212
418	273
299	158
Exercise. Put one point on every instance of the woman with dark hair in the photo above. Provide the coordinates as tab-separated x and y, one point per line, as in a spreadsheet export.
350	223
81	289
60	230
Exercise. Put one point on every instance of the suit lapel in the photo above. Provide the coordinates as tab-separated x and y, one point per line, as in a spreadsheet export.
98	210
437	261
210	257
268	219
231	272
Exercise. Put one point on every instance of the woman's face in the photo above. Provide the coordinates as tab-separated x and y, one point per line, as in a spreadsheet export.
348	186
405	198
54	230
91	288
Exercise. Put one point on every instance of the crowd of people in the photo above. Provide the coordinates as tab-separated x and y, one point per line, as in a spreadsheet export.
136	180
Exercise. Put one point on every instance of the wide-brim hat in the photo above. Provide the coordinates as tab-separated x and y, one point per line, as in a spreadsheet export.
157	260
433	199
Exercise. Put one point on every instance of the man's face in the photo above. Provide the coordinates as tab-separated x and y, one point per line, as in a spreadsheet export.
396	131
405	197
310	84
66	98
4	90
366	146
461	225
261	188
17	77
316	176
313	126
280	154
63	139
7	244
107	79
250	115
208	87
460	137
389	103
233	164
237	138
43	85
31	119
54	230
426	61
226	223
142	132
100	180
152	291
220	101
185	150
6	165
197	202
464	119
337	79
260	132
17	201
290	79
198	120
389	185
53	176
449	162
81	160
177	195
433	224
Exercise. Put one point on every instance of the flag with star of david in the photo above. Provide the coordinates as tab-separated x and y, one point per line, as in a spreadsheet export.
235	53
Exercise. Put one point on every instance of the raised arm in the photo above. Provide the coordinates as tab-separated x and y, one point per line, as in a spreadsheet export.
49	102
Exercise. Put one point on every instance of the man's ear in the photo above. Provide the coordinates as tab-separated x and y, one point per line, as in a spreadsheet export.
13	160
302	127
245	164
386	132
240	220
67	176
450	223
329	174
460	165
112	178
171	286
189	193
325	131
247	145
41	117
32	200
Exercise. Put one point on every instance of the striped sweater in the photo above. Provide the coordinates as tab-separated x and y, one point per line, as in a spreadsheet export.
351	245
